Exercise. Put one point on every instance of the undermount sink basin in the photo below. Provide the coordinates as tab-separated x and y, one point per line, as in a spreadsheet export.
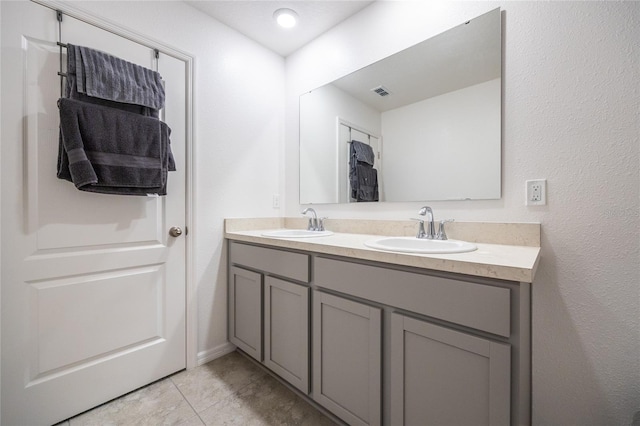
420	245
295	233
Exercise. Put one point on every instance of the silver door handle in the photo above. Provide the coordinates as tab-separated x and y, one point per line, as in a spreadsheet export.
175	231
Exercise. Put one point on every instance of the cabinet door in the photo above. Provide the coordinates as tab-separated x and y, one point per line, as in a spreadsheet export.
245	311
446	377
347	358
286	331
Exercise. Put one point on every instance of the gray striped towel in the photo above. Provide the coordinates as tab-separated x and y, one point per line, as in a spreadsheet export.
363	153
104	76
111	151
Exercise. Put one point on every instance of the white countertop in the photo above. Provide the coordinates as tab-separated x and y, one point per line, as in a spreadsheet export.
506	262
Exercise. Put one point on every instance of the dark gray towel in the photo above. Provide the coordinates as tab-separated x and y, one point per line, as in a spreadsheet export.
363	178
72	90
364	183
363	153
112	151
100	75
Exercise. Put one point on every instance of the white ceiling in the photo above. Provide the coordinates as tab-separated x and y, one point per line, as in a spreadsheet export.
460	57
254	18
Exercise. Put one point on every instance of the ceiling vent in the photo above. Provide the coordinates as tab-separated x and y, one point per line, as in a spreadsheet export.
381	90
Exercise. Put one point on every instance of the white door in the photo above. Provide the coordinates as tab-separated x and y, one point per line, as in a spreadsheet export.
93	287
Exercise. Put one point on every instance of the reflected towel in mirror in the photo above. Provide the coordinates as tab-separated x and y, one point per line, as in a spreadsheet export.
363	178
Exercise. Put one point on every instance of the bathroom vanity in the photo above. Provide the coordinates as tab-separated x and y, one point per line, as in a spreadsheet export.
388	338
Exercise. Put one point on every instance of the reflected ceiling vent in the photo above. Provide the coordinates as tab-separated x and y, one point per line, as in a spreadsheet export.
381	90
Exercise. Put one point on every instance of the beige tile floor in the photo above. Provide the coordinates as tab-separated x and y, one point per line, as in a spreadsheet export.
230	390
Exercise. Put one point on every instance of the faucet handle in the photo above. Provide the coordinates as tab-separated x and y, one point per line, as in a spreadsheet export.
421	232
321	223
442	235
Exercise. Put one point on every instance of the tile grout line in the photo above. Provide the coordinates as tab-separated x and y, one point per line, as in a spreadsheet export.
214	403
292	389
250	382
187	401
235	393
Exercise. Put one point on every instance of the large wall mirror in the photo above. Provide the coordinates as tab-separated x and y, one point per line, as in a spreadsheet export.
429	117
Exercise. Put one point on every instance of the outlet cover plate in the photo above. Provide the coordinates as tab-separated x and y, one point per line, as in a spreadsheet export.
536	192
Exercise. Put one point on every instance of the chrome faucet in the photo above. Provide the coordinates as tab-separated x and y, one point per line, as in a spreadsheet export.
430	233
315	224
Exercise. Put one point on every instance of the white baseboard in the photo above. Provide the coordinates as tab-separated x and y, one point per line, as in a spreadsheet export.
213	353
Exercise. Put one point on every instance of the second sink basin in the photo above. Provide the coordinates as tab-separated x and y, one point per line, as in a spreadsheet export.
295	233
420	245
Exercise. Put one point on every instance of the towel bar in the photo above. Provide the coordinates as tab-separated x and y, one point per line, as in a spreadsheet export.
61	45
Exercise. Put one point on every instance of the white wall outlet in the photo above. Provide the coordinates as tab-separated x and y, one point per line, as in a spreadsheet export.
275	201
536	192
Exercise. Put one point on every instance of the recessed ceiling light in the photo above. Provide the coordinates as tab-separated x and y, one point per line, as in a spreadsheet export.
286	18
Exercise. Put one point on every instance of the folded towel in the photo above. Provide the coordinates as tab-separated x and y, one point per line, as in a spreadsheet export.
363	178
362	152
112	151
72	90
364	183
100	75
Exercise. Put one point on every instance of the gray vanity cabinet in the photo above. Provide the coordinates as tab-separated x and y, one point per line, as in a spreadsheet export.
377	343
441	376
286	331
269	309
347	353
245	311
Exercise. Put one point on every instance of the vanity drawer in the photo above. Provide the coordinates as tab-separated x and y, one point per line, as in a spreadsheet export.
283	263
474	305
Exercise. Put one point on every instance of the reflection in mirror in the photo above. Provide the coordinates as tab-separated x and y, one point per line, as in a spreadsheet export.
430	115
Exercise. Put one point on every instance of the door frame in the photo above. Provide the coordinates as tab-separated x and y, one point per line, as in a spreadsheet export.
191	314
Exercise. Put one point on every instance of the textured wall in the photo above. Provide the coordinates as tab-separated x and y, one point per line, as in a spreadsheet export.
239	115
571	115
